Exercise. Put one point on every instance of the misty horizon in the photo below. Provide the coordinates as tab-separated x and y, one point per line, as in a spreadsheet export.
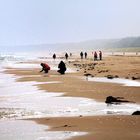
81	41
50	22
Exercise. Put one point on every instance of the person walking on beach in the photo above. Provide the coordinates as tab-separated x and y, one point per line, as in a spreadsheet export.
62	67
81	54
95	56
100	55
45	67
85	55
66	56
54	56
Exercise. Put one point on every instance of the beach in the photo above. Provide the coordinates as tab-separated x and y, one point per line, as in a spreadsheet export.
73	85
70	70
99	127
79	96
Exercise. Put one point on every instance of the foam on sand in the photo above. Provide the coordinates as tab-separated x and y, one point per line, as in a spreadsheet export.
21	129
125	82
25	100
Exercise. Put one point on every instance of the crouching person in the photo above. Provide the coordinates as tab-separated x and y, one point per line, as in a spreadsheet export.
45	67
62	67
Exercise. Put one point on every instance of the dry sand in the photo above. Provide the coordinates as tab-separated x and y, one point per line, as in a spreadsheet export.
100	127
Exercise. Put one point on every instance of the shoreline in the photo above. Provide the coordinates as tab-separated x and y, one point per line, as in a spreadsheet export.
88	89
98	127
74	87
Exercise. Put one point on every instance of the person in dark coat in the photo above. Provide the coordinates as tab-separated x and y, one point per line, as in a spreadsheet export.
95	56
62	67
81	54
100	55
85	55
66	56
54	56
45	67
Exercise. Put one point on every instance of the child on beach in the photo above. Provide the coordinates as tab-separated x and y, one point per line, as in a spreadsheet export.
45	67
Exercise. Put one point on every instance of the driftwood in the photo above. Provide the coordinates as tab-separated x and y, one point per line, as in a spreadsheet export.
115	100
136	113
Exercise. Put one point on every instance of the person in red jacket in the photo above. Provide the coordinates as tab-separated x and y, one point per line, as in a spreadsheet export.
45	67
95	56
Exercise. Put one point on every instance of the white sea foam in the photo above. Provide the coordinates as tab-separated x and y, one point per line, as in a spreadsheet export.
125	82
28	130
17	62
25	100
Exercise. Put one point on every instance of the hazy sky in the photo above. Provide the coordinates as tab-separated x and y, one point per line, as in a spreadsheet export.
51	21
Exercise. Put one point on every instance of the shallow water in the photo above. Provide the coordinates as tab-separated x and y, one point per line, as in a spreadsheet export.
17	65
124	82
24	100
28	130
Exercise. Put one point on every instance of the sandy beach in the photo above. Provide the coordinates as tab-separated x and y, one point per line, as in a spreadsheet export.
70	70
73	85
99	127
76	84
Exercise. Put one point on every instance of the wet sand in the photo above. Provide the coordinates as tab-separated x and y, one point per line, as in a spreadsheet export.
99	127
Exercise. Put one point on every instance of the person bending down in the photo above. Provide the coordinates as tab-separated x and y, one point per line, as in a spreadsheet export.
62	67
45	67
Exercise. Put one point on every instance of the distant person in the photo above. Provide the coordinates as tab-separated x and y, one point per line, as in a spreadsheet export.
45	67
70	54
95	56
100	55
81	54
66	56
85	55
62	67
54	56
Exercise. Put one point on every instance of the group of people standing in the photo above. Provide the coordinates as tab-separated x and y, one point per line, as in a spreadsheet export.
82	55
97	55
